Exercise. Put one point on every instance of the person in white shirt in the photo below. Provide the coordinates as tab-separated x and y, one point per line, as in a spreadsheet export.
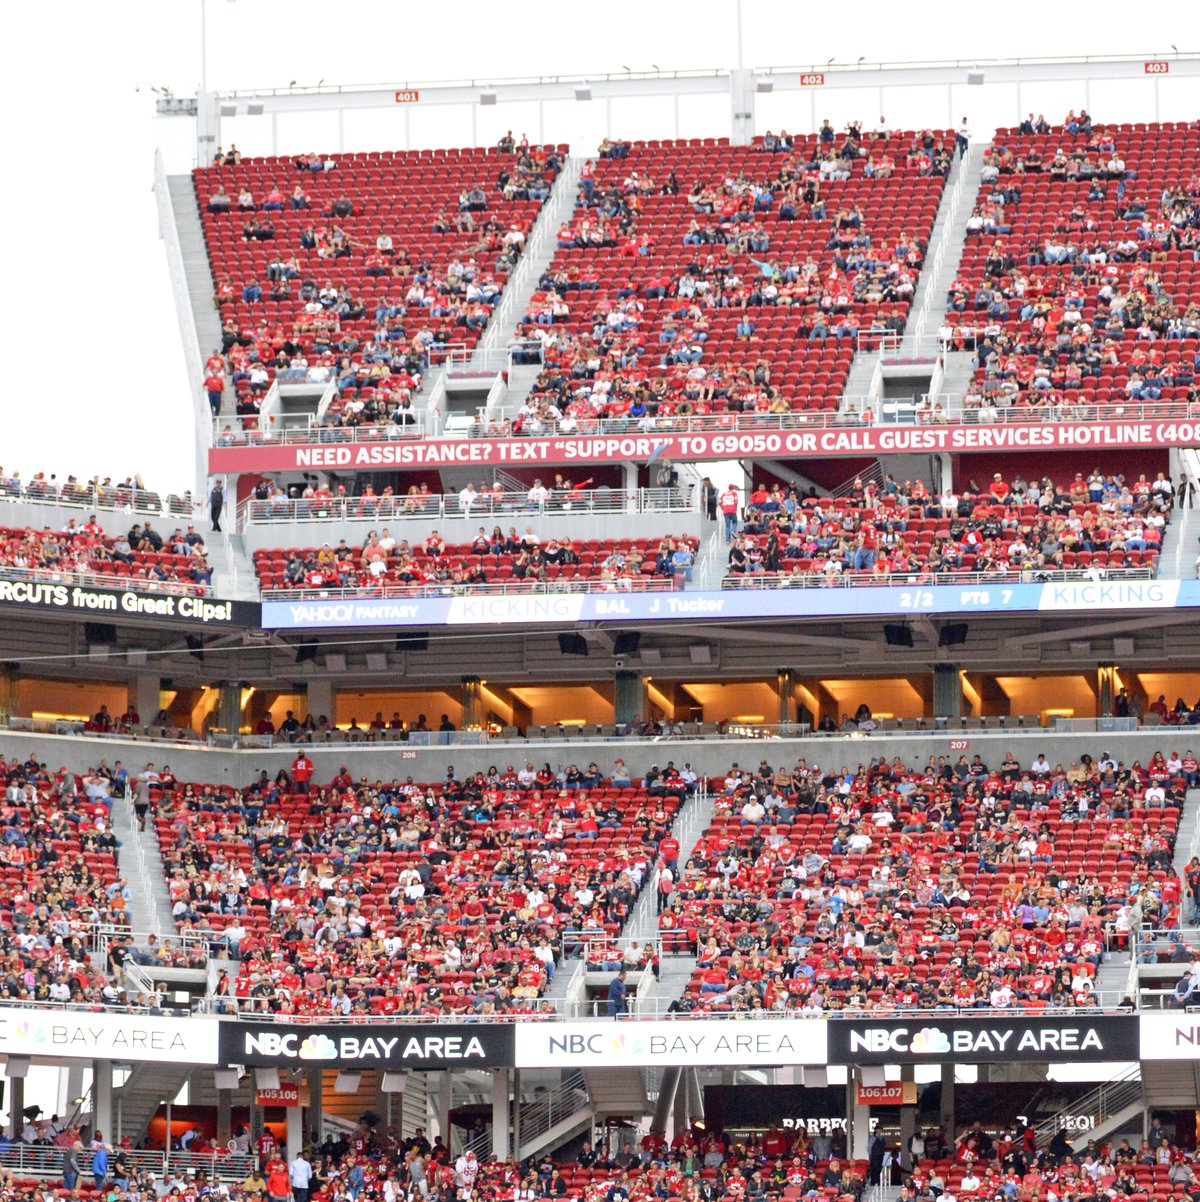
753	811
300	1174
1041	765
466	498
538	495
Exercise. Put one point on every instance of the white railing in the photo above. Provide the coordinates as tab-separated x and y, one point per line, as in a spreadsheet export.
93	499
549	1109
869	579
452	505
881	1191
86	578
494	588
313	429
1101	1103
560	1010
857	413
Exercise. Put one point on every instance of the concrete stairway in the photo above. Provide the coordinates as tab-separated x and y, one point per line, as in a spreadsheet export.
146	1088
198	272
142	866
944	254
674	970
233	570
540	246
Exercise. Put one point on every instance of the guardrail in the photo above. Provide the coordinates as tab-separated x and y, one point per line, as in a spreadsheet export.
85	578
869	579
537	736
93	499
1103	1002
857	413
500	588
452	505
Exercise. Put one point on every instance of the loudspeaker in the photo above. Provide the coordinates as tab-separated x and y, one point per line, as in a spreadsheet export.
99	634
17	1067
266	1078
572	644
394	1082
815	1078
226	1078
347	1082
897	635
872	1074
418	640
627	644
952	634
306	652
195	646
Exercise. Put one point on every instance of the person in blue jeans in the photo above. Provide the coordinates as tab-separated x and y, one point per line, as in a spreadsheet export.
100	1162
618	996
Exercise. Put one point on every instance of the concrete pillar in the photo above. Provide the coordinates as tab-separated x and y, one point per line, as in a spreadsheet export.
208	129
224	1117
147	695
741	105
8	690
516	1113
947	691
501	1114
16	1103
695	1095
316	1102
1105	675
666	1097
472	704
943	471
858	1122
786	684
629	480
229	707
629	697
445	1103
946	1116
908	1119
320	698
102	1098
295	1131
858	1137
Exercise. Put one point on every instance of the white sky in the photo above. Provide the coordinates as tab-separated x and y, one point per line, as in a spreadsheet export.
98	383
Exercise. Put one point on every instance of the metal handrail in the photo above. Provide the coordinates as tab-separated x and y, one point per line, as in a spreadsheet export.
858	413
498	588
868	579
560	1010
450	505
1106	1099
548	1109
92	498
86	578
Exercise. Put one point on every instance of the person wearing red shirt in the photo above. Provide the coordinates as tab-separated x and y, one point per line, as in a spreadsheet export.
302	771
